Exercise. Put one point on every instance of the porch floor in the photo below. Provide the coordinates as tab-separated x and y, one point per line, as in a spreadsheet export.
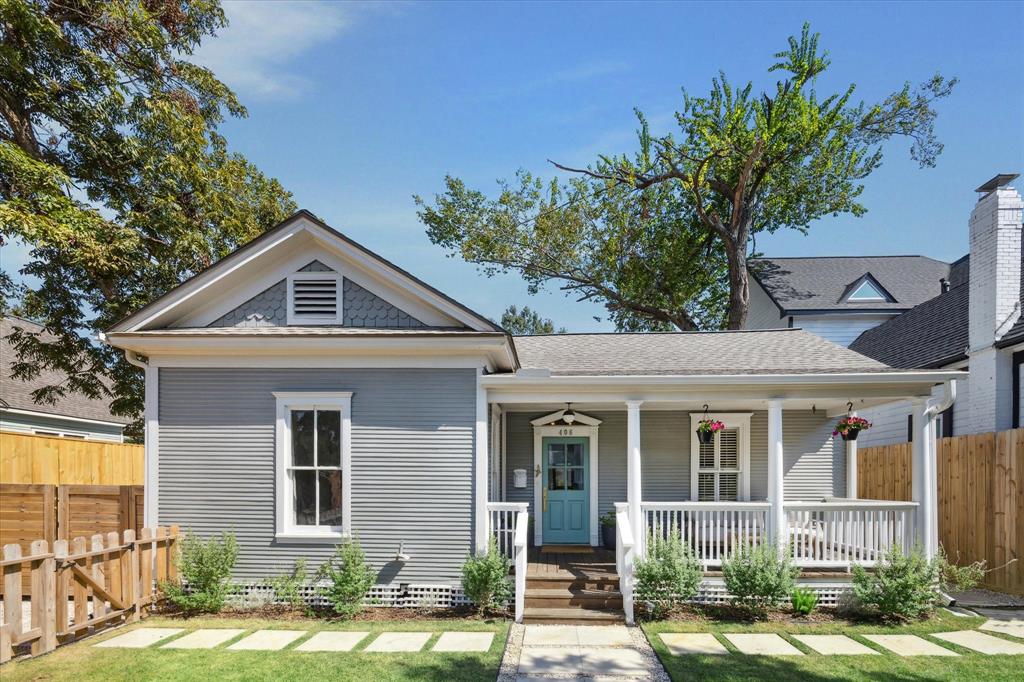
598	565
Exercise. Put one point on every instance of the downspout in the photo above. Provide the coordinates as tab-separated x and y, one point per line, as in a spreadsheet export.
948	397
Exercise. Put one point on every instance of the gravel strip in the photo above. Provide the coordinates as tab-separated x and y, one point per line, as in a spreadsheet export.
513	647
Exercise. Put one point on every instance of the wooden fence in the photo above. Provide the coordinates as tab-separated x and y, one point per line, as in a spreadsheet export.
31	459
81	585
980	498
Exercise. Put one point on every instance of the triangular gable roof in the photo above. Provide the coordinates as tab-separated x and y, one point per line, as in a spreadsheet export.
159	310
866	280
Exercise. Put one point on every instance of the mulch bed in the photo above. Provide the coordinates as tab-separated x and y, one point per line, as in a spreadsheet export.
724	613
285	613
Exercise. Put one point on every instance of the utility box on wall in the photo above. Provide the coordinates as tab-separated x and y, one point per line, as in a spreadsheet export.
519	478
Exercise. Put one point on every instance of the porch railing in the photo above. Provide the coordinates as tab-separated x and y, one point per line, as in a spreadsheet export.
714	530
625	553
501	524
848	532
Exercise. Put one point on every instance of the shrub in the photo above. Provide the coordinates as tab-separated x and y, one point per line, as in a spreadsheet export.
288	586
485	579
757	577
608	519
349	578
669	574
205	568
902	586
953	578
804	601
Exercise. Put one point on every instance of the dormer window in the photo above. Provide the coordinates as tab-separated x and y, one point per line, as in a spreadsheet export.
867	290
314	298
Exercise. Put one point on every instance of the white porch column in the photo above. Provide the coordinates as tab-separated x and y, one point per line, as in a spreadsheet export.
634	485
151	494
924	484
776	471
851	468
480	531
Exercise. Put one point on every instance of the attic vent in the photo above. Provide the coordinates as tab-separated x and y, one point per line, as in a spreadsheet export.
313	298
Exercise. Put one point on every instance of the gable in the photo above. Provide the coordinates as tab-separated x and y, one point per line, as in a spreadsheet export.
250	287
866	289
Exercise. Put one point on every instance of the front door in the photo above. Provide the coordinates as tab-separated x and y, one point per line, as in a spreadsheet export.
566	503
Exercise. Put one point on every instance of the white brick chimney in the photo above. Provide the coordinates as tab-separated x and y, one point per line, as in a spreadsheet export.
995	228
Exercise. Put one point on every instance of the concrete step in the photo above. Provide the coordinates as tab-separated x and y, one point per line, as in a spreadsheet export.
562	598
571	616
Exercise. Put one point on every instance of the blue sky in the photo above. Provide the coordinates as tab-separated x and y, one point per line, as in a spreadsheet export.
356	107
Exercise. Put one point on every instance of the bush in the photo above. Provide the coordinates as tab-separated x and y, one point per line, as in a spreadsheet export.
669	574
288	587
758	578
205	568
485	579
349	578
902	586
804	601
953	578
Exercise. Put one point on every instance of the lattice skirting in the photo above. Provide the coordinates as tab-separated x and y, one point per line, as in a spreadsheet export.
411	595
712	591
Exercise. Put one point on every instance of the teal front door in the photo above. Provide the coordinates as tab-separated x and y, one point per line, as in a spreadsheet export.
566	503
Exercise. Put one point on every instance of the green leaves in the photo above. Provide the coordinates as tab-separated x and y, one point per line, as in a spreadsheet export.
526	322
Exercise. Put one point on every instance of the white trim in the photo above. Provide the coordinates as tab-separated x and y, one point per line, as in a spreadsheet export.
313	320
151	494
555	417
480	461
933	376
564	431
634	471
732	420
284	527
51	415
504	455
776	476
322	361
853	298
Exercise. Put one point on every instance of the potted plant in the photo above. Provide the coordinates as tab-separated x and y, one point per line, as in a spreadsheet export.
707	428
608	530
848	427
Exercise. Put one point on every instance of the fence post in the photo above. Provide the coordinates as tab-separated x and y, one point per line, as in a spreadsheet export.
41	598
172	553
129	577
145	559
12	591
60	617
78	589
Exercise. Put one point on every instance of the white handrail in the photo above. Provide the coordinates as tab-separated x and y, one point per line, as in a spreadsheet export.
704	506
500	519
841	505
522	523
507	506
625	551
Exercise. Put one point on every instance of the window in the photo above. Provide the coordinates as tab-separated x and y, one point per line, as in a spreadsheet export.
313	298
720	470
866	290
314	464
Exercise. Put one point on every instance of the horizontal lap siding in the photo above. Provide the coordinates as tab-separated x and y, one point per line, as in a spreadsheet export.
412	463
814	468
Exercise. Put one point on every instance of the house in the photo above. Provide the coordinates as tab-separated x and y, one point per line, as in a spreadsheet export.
913	312
72	416
303	389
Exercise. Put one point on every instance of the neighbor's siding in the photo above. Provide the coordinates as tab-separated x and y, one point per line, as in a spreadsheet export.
889	421
762	313
839	328
412	463
30	423
814	467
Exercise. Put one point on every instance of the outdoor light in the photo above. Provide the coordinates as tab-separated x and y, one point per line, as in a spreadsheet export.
568	416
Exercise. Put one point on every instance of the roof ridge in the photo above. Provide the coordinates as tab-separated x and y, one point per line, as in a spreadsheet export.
657	333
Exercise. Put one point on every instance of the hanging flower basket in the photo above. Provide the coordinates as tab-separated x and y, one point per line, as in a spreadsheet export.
706	430
849	427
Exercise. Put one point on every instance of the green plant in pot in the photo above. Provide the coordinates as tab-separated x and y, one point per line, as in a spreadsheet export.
707	428
608	533
849	427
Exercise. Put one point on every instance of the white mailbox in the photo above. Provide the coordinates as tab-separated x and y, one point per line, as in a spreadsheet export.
519	478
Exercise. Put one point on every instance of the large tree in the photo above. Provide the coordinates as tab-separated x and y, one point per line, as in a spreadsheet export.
113	173
526	321
662	236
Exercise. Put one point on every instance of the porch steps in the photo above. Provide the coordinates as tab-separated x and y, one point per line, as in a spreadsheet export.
568	598
573	593
574	616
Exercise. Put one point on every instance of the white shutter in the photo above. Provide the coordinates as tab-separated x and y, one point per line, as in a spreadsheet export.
705	487
707	455
729	453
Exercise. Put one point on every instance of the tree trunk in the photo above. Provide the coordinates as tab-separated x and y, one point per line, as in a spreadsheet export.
739	283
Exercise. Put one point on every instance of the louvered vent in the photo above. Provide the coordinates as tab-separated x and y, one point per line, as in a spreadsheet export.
314	299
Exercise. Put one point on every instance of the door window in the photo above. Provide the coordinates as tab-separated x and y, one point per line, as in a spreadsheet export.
565	466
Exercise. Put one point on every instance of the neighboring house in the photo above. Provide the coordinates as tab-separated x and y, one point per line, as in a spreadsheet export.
72	416
303	390
926	315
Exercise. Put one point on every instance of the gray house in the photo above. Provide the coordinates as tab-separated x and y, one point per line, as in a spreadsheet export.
304	389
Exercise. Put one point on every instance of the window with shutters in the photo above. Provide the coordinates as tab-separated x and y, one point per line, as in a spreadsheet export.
720	470
314	298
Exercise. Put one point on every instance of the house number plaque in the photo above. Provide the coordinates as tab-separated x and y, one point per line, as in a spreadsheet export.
564	432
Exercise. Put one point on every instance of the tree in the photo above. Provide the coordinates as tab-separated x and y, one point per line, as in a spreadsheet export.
526	322
662	236
113	173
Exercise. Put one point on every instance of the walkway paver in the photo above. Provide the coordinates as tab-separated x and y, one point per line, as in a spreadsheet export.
982	643
267	640
464	641
762	644
139	639
612	661
1009	622
687	643
551	635
561	660
204	639
835	645
332	640
399	641
910	645
603	635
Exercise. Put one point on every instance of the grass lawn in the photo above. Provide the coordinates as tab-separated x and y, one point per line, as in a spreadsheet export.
815	667
81	661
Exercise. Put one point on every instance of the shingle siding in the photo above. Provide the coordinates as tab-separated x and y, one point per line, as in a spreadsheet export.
412	463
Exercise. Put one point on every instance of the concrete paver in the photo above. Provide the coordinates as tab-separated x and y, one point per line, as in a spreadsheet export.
982	643
332	640
551	635
910	645
762	644
562	660
204	638
611	661
267	640
399	641
603	635
835	645
138	639
464	641
687	643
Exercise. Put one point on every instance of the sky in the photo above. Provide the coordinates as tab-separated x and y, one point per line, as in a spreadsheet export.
356	107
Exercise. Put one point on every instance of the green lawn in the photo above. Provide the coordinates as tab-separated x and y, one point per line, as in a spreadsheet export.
81	661
815	667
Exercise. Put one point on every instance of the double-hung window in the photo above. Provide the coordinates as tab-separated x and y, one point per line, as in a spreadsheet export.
314	456
720	470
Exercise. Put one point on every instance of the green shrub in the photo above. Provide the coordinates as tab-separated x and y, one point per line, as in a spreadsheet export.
288	586
485	579
349	578
902	586
953	578
804	601
758	578
205	568
668	575
608	519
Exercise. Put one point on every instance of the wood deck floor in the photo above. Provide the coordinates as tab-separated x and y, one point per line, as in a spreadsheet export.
594	566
